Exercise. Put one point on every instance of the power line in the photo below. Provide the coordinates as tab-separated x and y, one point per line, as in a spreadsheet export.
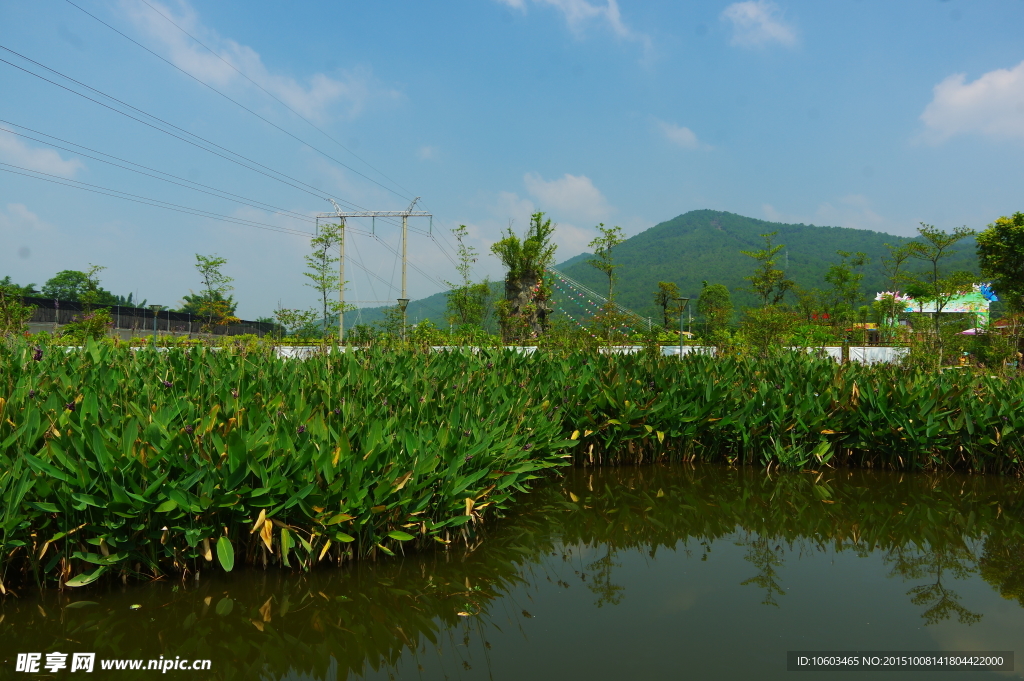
96	189
270	94
241	199
235	102
317	192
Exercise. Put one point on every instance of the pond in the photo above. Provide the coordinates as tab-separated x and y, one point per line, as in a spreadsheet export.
634	572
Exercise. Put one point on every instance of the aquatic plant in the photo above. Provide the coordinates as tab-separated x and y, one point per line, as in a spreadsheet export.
138	463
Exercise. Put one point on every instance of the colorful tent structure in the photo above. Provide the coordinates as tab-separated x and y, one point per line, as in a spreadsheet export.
976	301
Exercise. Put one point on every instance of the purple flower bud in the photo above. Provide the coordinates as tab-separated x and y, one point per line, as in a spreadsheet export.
468	457
167	384
70	406
37	353
527	447
337	411
490	365
301	429
466	433
31	393
234	393
190	429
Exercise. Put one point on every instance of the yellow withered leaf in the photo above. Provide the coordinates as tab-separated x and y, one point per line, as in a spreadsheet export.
324	550
661	436
587	432
207	553
575	435
400	483
265	610
573	497
267	534
257	624
469	506
259	521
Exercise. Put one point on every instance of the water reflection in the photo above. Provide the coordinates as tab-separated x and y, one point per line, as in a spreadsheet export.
660	554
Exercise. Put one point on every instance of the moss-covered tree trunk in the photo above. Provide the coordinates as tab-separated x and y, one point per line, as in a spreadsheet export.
524	311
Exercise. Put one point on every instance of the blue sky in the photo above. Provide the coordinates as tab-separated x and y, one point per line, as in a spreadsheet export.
874	115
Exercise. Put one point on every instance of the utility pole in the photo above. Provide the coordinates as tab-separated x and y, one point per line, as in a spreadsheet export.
341	276
403	302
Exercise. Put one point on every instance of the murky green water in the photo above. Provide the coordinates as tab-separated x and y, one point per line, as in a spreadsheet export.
655	572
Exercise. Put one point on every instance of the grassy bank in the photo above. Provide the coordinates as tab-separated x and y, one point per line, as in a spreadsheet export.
135	463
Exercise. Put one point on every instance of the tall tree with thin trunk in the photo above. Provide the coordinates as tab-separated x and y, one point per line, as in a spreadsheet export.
602	245
322	272
216	306
665	298
467	302
768	282
936	245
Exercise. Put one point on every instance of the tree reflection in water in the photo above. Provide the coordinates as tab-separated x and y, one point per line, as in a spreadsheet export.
333	624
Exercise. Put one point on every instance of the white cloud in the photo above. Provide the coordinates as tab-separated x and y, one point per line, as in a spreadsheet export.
314	98
573	196
17	219
680	135
758	22
853	211
991	105
425	153
771	214
14	151
580	13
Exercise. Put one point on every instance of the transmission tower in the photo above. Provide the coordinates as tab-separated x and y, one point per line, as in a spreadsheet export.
341	216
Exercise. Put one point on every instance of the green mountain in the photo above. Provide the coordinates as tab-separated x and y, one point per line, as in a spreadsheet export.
705	245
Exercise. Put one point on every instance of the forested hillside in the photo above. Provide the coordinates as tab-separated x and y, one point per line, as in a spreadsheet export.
705	245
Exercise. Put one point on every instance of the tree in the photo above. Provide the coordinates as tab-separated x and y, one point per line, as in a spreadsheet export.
845	278
323	277
72	285
21	290
213	303
524	310
767	282
602	246
196	303
13	314
1001	257
715	306
935	246
665	297
296	322
467	302
93	294
66	285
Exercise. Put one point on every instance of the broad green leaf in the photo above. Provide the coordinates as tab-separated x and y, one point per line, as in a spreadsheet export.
226	554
